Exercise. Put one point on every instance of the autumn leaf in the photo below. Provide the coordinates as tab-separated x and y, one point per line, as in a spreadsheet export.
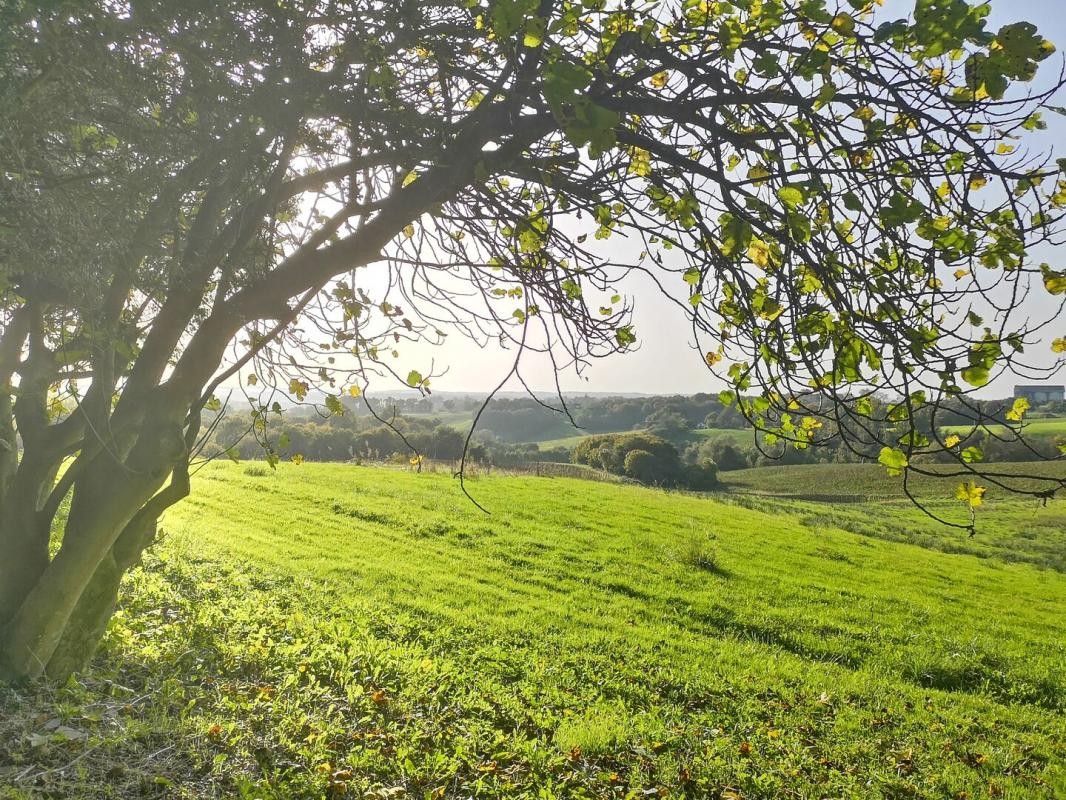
1018	409
970	493
759	253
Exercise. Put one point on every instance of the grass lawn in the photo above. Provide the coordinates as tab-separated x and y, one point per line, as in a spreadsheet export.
337	631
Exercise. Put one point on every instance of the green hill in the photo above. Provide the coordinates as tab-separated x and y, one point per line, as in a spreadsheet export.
335	631
1037	426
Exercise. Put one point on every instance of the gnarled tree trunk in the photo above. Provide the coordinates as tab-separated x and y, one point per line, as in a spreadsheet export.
54	611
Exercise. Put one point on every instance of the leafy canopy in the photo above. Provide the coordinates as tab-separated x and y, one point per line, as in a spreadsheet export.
840	202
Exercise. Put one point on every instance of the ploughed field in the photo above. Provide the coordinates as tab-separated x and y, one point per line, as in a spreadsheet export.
338	631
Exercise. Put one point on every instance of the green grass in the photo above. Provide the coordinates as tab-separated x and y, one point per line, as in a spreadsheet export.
336	631
870	481
860	498
1049	426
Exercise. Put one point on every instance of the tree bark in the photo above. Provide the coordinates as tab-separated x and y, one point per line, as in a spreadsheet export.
62	614
88	621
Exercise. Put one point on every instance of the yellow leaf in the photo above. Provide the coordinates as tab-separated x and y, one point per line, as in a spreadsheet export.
659	79
843	24
978	181
410	178
640	161
758	173
1004	149
297	459
1018	409
355	391
952	440
937	76
1059	345
713	358
971	494
409	231
961	273
759	253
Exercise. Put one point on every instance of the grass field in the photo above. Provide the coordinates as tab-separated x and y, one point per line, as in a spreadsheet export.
869	480
1051	426
335	631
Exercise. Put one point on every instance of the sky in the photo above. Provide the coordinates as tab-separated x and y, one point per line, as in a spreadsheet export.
665	362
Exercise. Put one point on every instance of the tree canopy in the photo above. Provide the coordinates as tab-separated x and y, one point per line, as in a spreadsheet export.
294	191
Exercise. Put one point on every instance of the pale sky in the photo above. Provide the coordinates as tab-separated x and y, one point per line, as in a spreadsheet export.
666	362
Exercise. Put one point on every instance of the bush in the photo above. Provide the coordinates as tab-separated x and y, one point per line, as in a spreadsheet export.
644	467
608	451
701	477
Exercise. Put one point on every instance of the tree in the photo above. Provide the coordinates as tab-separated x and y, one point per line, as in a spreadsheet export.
643	466
290	191
668	424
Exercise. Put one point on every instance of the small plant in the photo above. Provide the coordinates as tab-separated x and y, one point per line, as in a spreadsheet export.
698	551
256	471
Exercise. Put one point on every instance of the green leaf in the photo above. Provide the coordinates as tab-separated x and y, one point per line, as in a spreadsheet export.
976	375
791	196
414	378
895	461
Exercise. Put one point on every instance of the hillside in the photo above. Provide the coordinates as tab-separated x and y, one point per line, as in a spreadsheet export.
345	631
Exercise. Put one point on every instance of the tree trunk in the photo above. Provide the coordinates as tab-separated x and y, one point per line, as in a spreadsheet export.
114	505
88	621
23	537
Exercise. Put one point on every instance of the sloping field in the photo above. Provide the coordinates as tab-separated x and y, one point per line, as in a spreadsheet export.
336	631
1049	426
870	480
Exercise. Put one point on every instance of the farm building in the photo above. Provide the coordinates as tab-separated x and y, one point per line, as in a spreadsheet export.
1041	394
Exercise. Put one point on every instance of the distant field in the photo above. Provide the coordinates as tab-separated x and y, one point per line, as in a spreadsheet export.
870	480
861	498
1052	426
333	631
570	442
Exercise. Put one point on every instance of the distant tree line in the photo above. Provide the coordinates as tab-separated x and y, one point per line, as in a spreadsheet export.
665	427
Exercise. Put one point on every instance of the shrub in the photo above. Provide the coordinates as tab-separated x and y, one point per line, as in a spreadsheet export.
644	467
608	451
701	477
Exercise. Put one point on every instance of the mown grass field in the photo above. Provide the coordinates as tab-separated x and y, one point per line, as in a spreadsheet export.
336	631
1050	426
869	480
